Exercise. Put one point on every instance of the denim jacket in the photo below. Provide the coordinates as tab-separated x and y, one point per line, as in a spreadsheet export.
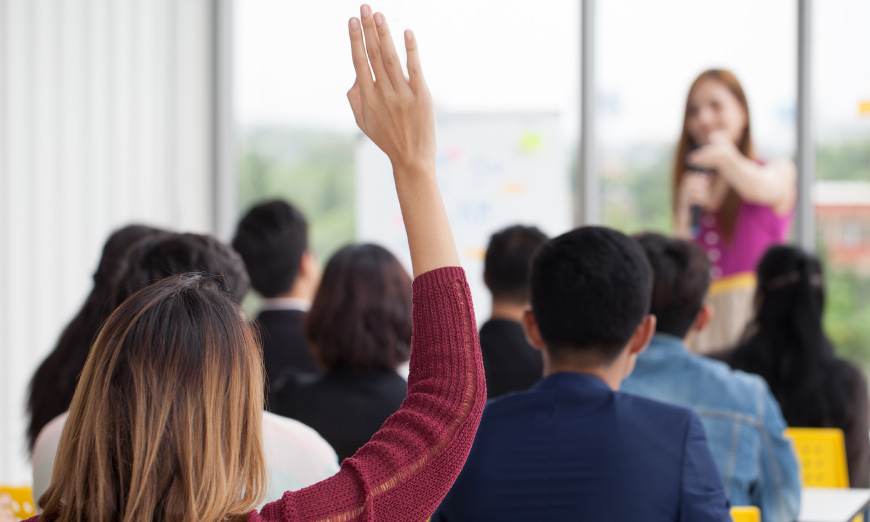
742	420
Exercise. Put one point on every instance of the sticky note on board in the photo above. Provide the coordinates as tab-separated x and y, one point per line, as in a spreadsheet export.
513	188
476	253
531	142
864	108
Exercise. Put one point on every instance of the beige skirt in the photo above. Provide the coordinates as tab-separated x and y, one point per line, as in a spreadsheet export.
731	298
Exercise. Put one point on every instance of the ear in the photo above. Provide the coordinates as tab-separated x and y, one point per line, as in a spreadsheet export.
702	320
533	333
307	264
642	335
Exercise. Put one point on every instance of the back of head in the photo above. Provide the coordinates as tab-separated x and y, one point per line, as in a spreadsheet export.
361	315
53	384
165	423
785	342
590	291
171	254
681	277
271	238
509	260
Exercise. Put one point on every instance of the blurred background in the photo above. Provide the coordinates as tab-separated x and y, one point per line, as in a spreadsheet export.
184	114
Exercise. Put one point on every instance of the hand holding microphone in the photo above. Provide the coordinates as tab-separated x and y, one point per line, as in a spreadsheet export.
695	193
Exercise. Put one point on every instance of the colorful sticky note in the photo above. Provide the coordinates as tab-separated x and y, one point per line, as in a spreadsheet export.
864	108
513	188
531	142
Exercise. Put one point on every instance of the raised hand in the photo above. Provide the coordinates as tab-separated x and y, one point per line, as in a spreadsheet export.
395	112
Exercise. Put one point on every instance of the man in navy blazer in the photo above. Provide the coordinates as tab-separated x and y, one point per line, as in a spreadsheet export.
573	447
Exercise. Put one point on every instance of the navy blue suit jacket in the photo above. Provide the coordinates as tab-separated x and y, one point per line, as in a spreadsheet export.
570	448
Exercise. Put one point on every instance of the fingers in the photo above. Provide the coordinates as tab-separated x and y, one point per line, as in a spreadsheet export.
358	51
415	71
356	105
388	52
373	45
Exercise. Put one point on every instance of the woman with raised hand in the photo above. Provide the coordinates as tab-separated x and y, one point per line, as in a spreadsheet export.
164	424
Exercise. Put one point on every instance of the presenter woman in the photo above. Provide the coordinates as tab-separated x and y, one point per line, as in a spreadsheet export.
730	202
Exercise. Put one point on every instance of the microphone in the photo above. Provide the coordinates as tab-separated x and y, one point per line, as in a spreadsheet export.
697	211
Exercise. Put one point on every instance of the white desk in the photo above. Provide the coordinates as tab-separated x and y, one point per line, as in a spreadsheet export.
832	505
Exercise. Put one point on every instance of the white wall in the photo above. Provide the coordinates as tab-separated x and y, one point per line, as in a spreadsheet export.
105	119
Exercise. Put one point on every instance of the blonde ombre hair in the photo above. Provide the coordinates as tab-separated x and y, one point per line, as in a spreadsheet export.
165	424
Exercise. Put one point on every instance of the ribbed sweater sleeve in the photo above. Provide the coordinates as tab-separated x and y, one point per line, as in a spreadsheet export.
407	468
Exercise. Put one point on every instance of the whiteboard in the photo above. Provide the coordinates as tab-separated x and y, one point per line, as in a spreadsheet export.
494	170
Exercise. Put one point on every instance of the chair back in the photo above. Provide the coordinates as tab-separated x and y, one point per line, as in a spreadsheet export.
745	514
22	501
822	456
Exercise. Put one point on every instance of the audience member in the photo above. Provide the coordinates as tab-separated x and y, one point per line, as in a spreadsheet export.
165	423
59	372
272	238
741	418
360	329
510	362
573	447
298	457
786	344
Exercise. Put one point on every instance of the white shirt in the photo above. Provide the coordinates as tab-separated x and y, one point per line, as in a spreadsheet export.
296	455
285	303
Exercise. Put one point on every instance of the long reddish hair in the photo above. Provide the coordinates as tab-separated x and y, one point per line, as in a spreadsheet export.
731	205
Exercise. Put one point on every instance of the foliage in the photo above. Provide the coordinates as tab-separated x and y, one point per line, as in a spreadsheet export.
310	169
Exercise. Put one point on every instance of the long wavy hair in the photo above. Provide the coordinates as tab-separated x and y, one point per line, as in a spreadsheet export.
165	424
731	206
786	344
53	384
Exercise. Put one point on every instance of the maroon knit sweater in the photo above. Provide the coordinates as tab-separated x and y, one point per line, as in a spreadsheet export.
407	468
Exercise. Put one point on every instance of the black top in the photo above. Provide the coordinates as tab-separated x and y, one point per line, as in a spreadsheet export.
284	345
853	417
346	407
510	362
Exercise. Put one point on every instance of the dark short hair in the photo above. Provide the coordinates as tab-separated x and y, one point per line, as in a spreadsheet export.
158	257
590	291
508	262
271	238
681	278
361	314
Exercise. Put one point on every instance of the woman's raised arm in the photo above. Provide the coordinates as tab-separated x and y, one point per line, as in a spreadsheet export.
407	468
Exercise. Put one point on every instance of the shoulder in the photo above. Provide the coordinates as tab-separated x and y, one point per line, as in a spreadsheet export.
644	407
281	431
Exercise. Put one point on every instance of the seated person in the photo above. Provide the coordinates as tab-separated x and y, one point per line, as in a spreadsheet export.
272	239
360	329
296	454
741	418
59	373
573	447
510	362
187	341
786	344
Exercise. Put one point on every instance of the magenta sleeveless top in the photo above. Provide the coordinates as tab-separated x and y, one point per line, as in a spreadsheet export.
757	228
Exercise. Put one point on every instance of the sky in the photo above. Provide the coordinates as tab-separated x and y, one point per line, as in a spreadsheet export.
292	61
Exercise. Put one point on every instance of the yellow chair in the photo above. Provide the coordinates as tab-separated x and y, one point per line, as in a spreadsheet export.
22	501
822	456
745	514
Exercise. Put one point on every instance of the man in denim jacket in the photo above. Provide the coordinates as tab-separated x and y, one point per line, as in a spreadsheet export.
742	420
